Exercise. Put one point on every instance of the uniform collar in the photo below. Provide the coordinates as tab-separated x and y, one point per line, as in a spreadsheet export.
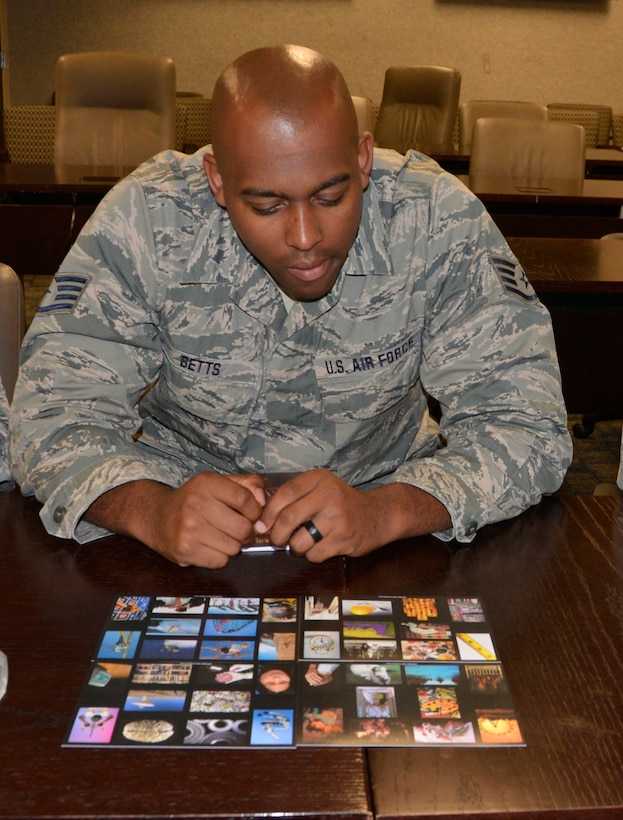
369	254
219	257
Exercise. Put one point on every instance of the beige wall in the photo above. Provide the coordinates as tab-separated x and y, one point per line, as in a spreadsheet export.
541	50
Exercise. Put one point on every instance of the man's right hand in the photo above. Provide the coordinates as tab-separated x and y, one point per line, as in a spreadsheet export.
202	523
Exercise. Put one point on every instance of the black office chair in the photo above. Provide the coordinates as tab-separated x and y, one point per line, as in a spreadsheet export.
584	428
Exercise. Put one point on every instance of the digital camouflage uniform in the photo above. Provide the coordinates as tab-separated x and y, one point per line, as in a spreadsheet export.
6	482
159	292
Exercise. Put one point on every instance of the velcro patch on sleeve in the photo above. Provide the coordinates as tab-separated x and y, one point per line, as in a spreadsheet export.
65	291
513	279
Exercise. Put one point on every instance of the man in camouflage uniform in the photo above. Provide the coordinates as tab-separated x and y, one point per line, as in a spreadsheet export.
280	303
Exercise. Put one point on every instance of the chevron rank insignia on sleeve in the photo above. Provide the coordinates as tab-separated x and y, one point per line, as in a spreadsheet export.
65	291
513	279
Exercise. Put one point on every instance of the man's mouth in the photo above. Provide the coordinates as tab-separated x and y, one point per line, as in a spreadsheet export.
309	273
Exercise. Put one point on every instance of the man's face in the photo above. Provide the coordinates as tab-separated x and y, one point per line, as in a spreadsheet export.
294	197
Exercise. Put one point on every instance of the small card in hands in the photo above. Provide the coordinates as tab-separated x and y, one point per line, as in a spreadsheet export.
4	674
263	543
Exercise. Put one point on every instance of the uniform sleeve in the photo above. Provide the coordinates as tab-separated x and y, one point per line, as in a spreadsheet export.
489	358
91	351
6	482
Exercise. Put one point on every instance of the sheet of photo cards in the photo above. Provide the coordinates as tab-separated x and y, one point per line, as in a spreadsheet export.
207	671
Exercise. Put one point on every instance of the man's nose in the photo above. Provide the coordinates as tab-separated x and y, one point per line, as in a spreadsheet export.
303	231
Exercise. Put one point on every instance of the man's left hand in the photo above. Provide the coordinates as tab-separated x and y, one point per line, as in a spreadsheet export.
350	521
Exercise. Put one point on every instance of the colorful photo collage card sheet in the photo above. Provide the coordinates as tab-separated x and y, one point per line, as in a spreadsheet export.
223	672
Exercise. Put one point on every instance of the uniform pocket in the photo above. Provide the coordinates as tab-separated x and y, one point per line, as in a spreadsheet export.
222	391
366	385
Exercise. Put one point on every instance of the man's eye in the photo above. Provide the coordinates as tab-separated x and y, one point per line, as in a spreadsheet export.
331	203
266	211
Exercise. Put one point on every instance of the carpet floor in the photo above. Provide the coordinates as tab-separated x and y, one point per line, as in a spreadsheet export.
595	459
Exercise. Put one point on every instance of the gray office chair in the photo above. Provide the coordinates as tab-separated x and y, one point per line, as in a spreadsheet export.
418	108
113	108
12	322
527	149
470	111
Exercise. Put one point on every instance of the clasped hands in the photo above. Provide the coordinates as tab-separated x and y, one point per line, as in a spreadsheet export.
211	517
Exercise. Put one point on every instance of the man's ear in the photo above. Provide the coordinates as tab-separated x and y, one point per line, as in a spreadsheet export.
366	157
215	181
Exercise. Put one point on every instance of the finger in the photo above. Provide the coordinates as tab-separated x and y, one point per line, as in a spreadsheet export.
289	493
198	542
210	512
305	538
233	492
288	525
246	494
255	483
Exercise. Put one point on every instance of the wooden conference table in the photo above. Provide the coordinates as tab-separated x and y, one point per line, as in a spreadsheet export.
44	207
581	283
601	163
552	583
562	265
60	179
587	208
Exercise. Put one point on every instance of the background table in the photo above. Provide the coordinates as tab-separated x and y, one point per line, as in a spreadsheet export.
44	207
552	583
601	163
604	163
587	208
581	266
59	179
581	283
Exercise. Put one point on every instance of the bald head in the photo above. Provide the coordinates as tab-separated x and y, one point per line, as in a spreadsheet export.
288	165
289	87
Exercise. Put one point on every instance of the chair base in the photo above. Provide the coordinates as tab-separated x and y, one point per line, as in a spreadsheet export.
584	428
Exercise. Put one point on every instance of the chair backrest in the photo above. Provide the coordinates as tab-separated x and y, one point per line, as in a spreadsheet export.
470	111
12	321
29	131
617	129
363	109
418	108
585	114
113	108
198	130
527	149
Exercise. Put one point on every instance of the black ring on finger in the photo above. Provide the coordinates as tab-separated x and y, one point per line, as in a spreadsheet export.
313	530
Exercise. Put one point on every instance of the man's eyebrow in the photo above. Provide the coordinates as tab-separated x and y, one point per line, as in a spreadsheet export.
335	181
267	193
